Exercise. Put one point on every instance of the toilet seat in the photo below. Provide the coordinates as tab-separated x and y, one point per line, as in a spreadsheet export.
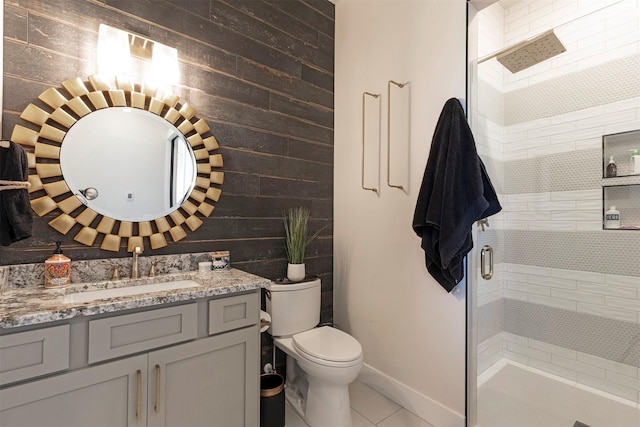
327	346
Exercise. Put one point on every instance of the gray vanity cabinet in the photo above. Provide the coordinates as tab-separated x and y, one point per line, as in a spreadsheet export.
107	395
208	377
208	382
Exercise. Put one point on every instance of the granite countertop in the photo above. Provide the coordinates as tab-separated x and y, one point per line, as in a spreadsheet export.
34	305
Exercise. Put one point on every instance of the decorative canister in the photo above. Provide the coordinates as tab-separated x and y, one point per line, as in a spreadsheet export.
57	269
220	260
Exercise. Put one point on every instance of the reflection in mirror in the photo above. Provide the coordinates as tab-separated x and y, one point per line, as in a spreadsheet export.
127	164
93	164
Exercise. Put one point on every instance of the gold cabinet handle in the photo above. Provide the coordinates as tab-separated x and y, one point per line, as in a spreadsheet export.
364	95
157	406
486	249
139	402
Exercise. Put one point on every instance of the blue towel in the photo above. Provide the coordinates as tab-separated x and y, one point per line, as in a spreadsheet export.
455	192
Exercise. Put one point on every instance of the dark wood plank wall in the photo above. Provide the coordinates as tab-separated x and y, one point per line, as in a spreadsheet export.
259	72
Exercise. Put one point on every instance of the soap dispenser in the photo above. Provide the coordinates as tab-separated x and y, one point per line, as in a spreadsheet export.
57	269
612	169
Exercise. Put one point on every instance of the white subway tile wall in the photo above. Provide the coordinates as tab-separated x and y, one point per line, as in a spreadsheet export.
612	296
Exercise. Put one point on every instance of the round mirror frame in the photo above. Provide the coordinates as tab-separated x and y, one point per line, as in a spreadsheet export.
45	174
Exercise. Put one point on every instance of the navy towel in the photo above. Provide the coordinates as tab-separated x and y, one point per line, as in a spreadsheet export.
16	218
455	192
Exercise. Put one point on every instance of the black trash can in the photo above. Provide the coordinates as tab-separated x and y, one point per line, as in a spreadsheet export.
271	400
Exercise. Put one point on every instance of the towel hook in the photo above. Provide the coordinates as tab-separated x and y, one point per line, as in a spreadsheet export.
400	85
364	95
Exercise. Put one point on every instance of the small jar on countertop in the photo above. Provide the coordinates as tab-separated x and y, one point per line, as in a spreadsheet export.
204	266
220	260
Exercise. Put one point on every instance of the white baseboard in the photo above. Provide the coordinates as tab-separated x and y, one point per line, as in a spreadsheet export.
412	400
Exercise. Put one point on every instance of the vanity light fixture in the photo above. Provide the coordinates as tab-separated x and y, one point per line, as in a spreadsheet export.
164	65
114	56
124	53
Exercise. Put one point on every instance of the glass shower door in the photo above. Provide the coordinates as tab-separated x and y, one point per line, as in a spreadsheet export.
554	334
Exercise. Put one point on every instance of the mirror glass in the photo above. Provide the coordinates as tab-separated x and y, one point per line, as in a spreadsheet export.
128	164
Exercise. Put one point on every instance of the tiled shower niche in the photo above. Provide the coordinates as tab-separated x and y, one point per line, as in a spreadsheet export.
626	199
619	146
623	189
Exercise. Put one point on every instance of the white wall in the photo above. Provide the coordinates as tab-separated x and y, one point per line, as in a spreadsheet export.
411	330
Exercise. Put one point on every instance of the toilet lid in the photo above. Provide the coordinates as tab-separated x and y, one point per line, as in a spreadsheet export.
328	343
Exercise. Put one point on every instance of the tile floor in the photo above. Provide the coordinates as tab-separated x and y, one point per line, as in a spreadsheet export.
368	409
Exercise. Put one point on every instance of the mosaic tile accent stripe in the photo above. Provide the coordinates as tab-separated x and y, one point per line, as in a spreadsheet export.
610	82
491	101
574	170
598	336
582	251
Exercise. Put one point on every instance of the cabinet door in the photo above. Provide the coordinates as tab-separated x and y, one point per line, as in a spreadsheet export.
208	382
109	395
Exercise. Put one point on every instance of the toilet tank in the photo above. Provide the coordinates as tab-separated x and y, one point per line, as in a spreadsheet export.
294	307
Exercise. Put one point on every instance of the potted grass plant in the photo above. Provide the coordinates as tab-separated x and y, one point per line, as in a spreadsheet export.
296	241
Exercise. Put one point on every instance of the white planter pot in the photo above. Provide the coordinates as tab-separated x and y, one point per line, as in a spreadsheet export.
295	272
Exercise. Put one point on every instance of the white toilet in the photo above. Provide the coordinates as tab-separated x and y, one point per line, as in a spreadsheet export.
321	362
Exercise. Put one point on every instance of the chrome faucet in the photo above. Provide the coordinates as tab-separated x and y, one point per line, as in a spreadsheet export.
135	270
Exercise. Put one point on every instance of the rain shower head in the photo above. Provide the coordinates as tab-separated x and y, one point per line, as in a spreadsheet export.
530	52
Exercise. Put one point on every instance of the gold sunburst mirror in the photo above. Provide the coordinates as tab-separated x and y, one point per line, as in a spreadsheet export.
119	162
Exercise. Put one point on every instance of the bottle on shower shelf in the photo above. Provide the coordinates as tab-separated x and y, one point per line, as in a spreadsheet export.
612	218
612	169
634	164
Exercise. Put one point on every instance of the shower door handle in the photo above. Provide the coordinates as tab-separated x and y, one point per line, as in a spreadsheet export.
483	269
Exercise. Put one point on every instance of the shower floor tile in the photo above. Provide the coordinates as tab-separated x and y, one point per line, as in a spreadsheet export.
518	397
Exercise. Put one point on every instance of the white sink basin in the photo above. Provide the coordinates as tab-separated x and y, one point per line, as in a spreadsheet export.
86	296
